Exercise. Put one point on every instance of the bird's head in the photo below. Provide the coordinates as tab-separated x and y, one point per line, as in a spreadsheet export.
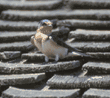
45	26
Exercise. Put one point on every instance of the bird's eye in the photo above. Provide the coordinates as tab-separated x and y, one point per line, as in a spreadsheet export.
44	24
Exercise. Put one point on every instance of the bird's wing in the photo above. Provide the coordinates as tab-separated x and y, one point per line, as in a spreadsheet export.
71	49
63	44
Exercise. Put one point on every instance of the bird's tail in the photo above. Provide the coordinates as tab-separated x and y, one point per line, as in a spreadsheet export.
80	54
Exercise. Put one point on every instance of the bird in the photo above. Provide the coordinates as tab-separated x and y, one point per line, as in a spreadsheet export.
52	46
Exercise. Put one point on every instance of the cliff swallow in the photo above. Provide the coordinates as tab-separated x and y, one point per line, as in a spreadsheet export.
50	45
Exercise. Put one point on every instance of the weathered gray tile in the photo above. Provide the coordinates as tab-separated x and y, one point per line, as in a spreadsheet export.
7	55
89	4
17	46
96	81
17	26
21	25
97	67
6	36
55	14
33	57
100	56
91	46
97	93
90	35
84	24
38	68
65	81
30	5
19	93
21	79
